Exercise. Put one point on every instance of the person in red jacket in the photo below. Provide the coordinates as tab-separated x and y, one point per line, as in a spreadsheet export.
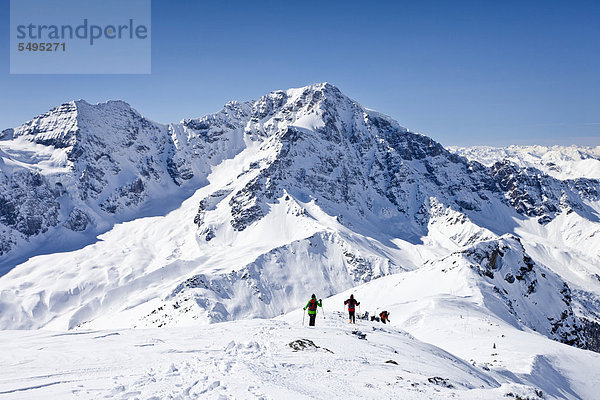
351	303
385	316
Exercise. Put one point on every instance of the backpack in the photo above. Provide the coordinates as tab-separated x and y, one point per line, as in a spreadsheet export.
312	306
351	304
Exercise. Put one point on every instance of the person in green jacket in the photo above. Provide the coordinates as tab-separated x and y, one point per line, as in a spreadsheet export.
312	309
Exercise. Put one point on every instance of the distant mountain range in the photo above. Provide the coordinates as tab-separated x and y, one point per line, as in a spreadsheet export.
561	162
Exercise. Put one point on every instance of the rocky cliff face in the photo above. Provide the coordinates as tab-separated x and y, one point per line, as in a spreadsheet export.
327	147
532	295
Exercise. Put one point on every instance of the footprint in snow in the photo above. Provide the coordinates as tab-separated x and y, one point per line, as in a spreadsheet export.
172	370
210	387
360	335
115	391
256	392
224	366
251	347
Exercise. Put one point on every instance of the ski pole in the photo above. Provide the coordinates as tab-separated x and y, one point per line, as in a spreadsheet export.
303	312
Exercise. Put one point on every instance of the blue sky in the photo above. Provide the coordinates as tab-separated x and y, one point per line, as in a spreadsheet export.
462	72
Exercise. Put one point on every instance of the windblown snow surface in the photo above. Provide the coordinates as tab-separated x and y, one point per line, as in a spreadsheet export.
153	261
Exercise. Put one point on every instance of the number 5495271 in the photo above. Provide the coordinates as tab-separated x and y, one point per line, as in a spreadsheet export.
33	46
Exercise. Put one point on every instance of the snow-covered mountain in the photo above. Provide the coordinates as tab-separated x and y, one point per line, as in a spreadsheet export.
561	162
78	169
243	213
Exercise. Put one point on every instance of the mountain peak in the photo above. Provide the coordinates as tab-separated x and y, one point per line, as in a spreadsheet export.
119	104
57	127
61	126
314	87
325	88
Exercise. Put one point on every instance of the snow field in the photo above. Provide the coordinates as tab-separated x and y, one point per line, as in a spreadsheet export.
240	360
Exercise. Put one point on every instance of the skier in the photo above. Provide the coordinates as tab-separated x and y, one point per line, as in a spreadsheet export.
352	303
384	315
312	309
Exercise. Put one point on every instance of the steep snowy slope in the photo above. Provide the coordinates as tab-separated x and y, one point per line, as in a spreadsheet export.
561	162
479	316
78	169
139	263
567	244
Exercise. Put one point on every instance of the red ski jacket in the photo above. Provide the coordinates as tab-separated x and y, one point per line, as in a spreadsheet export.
351	304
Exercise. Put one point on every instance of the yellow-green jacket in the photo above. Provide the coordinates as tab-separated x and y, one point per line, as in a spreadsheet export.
312	306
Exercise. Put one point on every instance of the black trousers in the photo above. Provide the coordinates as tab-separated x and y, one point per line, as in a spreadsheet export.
352	318
311	319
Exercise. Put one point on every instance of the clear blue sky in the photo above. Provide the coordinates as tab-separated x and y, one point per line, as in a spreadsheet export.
462	72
